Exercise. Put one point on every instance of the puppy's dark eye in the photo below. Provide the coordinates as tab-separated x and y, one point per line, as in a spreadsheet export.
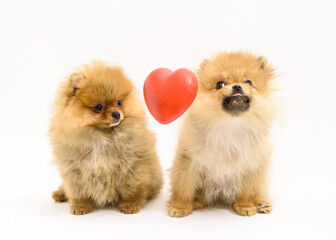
249	83
98	108
220	85
119	103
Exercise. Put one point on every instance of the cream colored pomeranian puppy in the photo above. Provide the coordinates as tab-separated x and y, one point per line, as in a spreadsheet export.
224	150
105	152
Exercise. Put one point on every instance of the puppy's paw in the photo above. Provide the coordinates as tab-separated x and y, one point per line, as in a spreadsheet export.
245	209
129	207
178	212
80	209
59	196
263	206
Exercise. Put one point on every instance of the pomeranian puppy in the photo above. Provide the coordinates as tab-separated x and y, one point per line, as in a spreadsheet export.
105	152
223	151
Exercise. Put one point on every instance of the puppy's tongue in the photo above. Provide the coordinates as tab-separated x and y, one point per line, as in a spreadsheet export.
237	95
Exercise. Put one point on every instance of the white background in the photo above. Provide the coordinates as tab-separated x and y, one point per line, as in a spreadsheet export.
41	42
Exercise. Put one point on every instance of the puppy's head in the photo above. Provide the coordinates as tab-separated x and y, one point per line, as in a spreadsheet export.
234	83
99	96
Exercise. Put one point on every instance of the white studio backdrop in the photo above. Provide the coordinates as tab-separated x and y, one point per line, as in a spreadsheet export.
41	42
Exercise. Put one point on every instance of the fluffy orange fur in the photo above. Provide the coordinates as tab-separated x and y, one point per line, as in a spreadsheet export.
224	148
101	143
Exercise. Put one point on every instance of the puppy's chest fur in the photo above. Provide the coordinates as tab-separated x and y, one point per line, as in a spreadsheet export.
102	168
227	152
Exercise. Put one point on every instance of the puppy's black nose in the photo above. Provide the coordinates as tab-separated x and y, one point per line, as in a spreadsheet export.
237	88
116	115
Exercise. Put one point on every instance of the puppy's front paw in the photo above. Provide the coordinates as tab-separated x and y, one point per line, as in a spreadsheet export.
264	206
129	208
59	196
80	209
245	209
178	212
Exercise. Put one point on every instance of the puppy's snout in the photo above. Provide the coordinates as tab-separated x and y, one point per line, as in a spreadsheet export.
116	115
237	88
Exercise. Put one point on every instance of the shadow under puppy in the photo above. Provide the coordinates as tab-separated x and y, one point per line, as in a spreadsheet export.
101	143
224	149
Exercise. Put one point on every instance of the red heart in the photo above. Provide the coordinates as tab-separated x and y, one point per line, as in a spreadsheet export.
169	94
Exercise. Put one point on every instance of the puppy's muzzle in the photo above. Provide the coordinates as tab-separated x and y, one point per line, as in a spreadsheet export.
237	90
237	102
116	116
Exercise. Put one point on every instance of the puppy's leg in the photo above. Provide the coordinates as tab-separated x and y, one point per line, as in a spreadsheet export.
132	199
81	206
252	199
80	203
59	195
245	207
183	181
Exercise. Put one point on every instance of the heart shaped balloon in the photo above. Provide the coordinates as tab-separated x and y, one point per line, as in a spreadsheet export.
169	94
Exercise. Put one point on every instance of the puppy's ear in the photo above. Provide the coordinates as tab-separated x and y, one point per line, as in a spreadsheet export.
69	87
74	81
262	62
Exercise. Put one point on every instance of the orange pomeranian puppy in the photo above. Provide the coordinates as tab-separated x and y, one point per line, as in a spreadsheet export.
105	152
224	150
